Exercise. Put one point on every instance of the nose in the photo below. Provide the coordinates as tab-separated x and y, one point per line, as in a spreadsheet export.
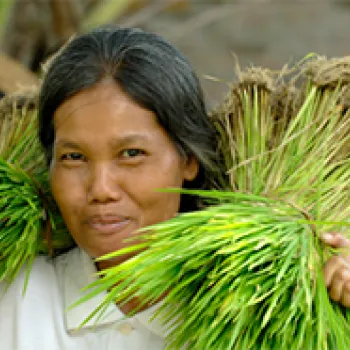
103	186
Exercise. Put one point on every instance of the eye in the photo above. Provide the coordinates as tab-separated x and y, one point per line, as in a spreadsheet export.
132	153
73	156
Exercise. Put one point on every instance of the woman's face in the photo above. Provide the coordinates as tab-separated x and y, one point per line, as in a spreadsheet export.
110	157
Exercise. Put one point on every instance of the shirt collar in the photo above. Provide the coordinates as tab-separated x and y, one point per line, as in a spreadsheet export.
80	272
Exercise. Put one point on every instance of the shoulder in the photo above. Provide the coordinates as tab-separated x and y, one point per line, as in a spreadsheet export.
39	273
34	316
39	288
42	279
43	272
33	292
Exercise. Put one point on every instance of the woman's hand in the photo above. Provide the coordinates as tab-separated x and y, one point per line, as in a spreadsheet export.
337	269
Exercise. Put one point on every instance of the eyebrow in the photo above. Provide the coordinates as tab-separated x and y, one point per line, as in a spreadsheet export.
67	144
117	142
127	139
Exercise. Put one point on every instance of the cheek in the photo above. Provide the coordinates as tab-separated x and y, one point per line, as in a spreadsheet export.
157	206
68	200
160	205
170	206
66	191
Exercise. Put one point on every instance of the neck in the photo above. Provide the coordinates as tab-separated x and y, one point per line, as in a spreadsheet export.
133	305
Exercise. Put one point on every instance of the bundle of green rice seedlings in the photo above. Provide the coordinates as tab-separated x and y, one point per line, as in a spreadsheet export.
246	272
30	224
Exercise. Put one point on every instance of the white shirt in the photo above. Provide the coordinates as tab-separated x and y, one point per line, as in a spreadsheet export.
38	320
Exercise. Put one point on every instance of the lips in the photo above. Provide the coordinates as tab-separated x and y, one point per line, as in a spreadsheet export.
108	224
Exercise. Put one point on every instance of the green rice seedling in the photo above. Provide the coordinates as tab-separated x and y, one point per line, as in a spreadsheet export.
30	224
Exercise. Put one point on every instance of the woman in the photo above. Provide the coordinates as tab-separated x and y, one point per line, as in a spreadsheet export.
121	115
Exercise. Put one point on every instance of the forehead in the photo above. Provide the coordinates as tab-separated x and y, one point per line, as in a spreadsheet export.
106	93
104	111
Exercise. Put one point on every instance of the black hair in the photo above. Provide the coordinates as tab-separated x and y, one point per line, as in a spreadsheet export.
152	72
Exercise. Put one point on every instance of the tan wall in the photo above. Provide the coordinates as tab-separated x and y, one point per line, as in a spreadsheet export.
267	33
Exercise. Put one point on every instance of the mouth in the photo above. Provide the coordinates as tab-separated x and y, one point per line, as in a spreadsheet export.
107	225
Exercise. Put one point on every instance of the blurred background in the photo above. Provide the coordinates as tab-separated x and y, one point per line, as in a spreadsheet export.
211	33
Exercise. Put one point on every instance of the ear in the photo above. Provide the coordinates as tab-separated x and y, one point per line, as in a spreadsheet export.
191	168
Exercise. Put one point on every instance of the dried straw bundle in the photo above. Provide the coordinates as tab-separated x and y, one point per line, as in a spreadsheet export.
29	221
246	273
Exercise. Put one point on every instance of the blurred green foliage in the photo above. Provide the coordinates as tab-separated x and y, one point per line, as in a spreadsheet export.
104	13
5	7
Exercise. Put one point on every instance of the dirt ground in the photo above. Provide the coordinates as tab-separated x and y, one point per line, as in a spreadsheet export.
267	33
